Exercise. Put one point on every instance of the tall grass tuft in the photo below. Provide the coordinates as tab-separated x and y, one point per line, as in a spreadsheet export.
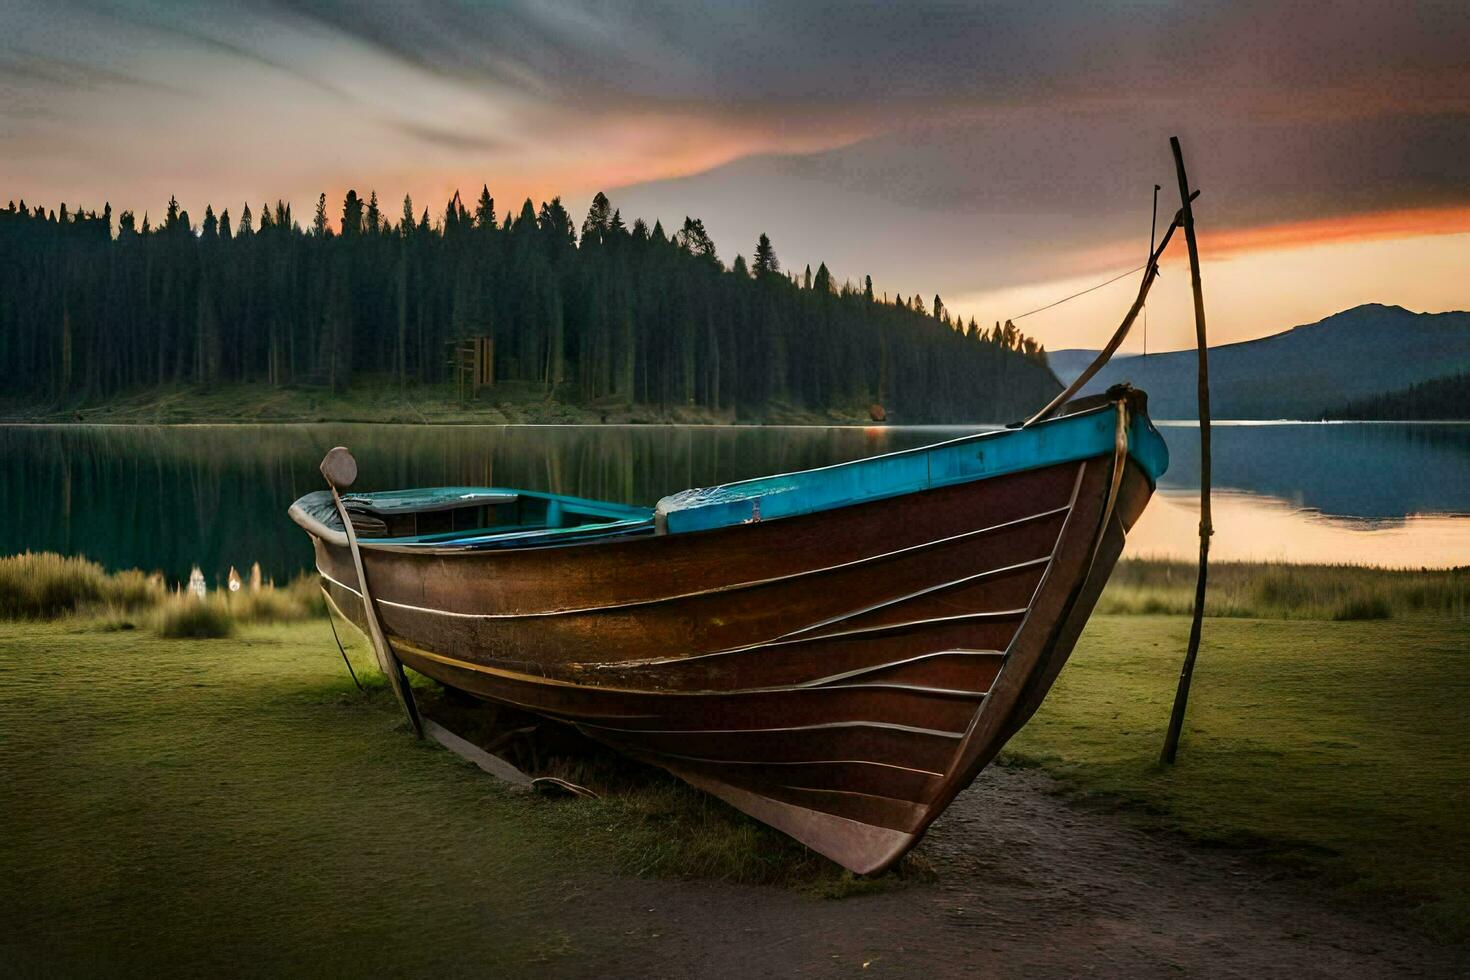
45	585
218	615
1281	591
298	600
186	617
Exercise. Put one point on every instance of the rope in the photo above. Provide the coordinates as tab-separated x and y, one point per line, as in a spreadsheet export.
1084	292
342	650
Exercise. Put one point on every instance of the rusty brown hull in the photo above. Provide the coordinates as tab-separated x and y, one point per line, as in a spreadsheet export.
840	675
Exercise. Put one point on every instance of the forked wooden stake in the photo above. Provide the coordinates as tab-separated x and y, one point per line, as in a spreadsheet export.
340	469
1181	695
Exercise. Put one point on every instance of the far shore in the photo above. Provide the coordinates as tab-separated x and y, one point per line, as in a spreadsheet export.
511	403
440	404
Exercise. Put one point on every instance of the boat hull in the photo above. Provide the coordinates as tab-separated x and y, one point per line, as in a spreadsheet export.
840	675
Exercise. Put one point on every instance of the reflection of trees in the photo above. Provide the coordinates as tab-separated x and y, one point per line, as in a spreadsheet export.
167	498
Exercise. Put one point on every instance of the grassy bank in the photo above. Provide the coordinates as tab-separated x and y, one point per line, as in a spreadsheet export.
382	400
1338	747
1259	590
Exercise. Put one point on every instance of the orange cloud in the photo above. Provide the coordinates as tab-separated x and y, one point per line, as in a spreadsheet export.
1232	242
1370	226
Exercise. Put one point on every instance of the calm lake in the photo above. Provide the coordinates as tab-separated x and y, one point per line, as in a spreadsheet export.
167	498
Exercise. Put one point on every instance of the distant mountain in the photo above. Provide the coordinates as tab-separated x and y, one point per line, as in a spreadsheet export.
1067	364
1298	374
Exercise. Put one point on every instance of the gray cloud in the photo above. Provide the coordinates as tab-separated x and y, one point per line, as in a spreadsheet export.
452	139
888	54
903	56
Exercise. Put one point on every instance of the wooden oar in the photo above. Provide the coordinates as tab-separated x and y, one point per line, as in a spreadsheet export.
340	469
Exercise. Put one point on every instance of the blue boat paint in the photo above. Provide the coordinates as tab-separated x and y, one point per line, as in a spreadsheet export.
1069	438
978	457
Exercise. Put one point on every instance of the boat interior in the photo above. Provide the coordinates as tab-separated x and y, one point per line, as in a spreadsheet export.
469	517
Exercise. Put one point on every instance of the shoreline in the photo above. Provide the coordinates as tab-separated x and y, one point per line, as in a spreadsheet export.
511	403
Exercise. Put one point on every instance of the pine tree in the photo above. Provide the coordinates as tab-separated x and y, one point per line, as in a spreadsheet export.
319	223
692	238
766	262
485	210
171	217
823	281
352	223
374	216
598	220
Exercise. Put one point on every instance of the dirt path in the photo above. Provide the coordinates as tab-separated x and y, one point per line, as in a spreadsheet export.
1030	885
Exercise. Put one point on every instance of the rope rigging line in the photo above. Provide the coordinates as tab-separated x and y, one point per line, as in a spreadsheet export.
1152	232
1121	275
341	649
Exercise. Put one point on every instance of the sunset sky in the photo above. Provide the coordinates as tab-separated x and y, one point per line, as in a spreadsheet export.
1000	154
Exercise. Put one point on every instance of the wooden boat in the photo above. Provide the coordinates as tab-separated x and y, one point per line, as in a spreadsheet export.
837	652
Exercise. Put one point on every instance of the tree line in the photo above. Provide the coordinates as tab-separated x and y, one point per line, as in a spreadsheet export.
1446	398
604	314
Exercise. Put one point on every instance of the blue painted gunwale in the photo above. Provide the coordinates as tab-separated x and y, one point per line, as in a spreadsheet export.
1070	438
974	457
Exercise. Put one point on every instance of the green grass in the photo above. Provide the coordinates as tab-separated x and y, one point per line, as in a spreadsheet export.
235	805
1339	747
1257	590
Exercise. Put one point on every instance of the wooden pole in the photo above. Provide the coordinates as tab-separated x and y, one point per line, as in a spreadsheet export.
1181	695
1153	230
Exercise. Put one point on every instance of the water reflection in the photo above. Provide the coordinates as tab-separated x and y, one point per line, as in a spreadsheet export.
1257	528
166	498
1361	471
